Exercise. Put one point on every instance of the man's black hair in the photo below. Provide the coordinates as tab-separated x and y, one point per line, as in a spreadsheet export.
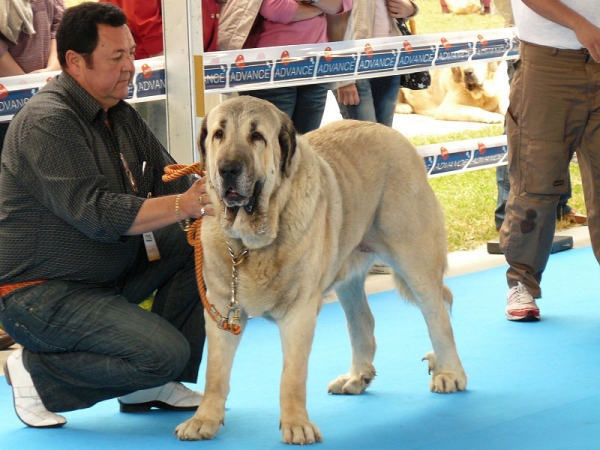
78	30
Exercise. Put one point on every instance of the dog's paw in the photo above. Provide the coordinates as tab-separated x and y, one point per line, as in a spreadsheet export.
444	381
196	429
404	108
491	117
352	385
300	432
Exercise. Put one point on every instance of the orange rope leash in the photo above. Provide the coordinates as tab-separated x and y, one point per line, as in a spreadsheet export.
173	172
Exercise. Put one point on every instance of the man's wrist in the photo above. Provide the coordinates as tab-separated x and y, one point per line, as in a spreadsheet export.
414	13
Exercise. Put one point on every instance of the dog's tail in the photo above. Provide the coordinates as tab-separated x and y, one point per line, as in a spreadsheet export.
448	297
408	294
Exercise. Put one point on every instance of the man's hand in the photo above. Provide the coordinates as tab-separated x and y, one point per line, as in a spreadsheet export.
399	9
348	95
158	212
589	36
197	201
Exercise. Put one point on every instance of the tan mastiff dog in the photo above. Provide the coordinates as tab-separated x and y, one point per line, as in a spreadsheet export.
314	212
471	93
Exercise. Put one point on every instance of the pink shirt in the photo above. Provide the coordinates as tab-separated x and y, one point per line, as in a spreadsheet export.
279	30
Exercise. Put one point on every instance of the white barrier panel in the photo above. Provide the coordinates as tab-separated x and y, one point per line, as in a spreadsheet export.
464	156
249	69
261	68
148	84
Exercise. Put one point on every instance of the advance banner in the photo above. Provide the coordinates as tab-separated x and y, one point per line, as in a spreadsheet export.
464	156
261	68
148	84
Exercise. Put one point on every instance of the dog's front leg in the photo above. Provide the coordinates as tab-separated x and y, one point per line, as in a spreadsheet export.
297	330
210	415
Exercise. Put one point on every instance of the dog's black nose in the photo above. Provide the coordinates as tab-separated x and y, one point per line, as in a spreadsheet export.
230	170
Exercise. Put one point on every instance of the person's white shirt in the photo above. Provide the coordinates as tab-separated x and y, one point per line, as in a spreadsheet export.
382	25
533	28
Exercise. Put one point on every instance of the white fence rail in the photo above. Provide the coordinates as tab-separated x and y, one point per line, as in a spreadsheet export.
231	71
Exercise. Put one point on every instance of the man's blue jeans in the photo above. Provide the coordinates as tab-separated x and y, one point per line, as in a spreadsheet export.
305	105
87	343
378	98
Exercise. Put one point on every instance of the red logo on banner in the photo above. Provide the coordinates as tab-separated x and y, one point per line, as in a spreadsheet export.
368	50
408	47
481	147
48	79
444	153
239	62
285	57
446	44
3	91
483	40
146	71
328	54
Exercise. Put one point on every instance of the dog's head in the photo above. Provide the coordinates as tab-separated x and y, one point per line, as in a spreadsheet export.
477	79
247	146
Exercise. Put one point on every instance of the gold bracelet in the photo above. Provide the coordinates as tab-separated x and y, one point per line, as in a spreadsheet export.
184	224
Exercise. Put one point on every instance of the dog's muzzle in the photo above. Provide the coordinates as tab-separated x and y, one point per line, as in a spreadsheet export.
471	80
233	200
237	189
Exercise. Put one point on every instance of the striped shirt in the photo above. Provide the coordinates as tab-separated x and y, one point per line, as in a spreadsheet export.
65	198
31	52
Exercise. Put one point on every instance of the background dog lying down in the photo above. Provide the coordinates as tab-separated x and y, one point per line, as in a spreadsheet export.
464	6
473	93
315	212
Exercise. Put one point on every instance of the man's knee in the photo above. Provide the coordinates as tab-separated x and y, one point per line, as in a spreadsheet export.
167	356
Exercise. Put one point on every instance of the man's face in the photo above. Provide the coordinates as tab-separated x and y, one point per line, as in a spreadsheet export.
111	70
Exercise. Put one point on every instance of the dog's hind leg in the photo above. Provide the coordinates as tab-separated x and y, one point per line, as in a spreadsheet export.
361	326
433	299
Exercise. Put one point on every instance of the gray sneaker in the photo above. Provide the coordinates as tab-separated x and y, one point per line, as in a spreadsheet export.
521	306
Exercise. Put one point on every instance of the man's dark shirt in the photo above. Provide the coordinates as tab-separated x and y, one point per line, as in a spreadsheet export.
65	198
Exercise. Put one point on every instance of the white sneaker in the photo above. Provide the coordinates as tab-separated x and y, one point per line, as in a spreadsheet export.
520	305
173	396
28	405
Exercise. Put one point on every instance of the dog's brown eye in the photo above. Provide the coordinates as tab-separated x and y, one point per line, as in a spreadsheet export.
218	134
256	136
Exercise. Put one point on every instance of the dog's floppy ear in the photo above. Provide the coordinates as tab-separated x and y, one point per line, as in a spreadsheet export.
457	74
202	140
287	143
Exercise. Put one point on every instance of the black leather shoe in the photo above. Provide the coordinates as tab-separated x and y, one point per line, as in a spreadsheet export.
5	340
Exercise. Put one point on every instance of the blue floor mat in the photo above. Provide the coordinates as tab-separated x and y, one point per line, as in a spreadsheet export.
531	385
